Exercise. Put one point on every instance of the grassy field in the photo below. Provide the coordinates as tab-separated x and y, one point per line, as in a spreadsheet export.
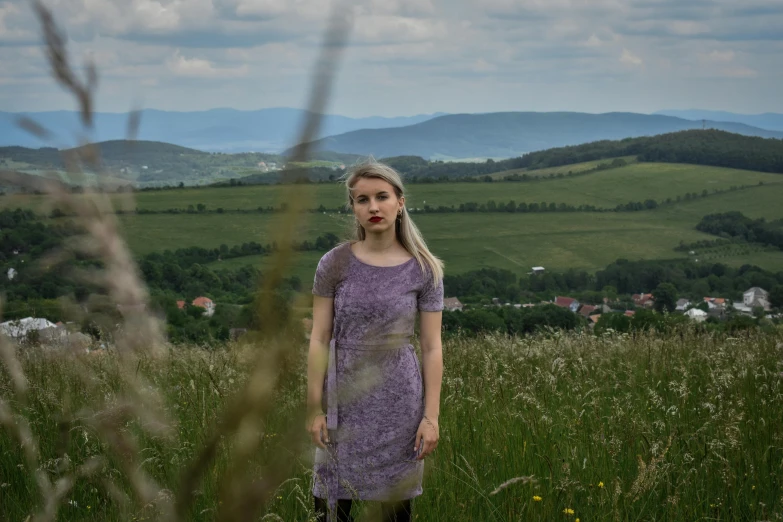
513	241
516	242
563	169
557	241
678	428
605	189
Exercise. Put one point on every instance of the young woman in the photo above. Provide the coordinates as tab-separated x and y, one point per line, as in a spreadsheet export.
371	413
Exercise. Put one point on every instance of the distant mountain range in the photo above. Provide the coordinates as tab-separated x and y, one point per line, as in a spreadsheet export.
769	120
509	134
216	130
436	136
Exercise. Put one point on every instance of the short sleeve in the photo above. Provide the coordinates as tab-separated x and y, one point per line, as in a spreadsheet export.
325	277
430	298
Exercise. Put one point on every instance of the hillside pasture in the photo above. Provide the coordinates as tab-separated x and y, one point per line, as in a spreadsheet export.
603	189
558	241
574	168
758	202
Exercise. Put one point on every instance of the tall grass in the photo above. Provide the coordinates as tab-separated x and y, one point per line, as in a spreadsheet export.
684	427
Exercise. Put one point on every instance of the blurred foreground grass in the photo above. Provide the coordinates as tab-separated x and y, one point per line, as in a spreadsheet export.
684	427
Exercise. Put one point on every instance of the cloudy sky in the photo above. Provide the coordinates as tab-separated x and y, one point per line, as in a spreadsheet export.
409	56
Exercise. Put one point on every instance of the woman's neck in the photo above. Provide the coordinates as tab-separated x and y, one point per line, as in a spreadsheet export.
373	244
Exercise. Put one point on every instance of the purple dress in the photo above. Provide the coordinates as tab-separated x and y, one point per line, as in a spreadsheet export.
373	390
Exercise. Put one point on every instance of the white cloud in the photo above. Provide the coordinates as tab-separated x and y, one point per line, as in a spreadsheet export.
720	56
593	41
200	68
628	58
412	54
740	72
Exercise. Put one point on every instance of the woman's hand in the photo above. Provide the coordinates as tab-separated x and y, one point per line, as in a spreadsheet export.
427	437
317	428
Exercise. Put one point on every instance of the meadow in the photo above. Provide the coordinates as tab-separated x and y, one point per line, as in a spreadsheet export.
558	241
682	427
604	189
514	241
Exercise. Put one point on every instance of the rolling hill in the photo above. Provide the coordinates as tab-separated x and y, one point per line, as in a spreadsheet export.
509	134
219	130
768	120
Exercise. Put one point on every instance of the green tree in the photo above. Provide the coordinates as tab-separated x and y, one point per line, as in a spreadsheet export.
665	297
613	321
776	296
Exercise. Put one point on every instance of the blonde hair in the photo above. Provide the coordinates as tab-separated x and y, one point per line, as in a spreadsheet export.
408	233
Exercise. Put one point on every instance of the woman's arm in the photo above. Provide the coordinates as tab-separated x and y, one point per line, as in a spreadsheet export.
318	355
432	360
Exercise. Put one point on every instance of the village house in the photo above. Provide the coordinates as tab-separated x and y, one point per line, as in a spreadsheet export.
697	315
205	303
586	310
537	270
21	327
753	298
756	296
567	302
682	305
643	300
452	304
715	303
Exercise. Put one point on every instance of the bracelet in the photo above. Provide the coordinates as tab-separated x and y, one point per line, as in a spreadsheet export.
429	422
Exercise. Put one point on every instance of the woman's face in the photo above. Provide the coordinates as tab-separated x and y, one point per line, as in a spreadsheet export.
375	204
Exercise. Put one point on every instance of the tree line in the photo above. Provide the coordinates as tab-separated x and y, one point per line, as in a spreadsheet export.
736	225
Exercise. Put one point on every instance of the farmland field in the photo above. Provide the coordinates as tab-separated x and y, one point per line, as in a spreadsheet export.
512	241
605	189
516	242
574	168
678	428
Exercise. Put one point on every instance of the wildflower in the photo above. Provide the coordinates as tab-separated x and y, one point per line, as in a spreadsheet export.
577	520
568	511
753	488
536	498
600	484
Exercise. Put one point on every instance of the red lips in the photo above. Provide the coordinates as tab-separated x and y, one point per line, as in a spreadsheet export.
376	219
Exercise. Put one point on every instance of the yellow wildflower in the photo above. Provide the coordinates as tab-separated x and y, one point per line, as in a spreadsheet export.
600	484
577	520
568	511
536	498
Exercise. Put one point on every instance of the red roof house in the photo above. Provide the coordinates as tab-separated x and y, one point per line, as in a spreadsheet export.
567	302
205	303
